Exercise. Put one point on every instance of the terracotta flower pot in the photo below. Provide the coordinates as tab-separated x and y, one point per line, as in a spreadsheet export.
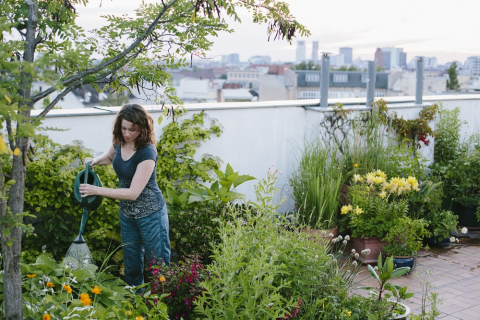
372	243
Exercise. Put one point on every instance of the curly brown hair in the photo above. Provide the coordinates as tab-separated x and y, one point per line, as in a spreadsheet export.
141	119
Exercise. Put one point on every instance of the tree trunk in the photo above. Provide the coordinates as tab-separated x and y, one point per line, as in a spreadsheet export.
12	253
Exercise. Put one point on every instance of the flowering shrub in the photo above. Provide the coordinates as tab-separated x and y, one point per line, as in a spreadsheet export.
61	291
181	282
376	202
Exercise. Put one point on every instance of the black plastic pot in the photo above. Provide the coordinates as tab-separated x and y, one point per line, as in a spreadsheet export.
466	216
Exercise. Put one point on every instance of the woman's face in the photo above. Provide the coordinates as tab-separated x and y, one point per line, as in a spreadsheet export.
129	131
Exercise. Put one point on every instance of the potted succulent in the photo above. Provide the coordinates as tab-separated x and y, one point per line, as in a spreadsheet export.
376	204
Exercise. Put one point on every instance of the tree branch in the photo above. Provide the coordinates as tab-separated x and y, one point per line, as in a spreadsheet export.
111	61
58	98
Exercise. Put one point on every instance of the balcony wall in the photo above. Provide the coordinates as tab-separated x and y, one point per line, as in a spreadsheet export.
255	134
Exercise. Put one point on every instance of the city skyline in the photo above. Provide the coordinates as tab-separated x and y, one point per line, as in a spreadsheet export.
420	28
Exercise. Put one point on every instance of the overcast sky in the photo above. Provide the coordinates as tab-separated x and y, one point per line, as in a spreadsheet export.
447	30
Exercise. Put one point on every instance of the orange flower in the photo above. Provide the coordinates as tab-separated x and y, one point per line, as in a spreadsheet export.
96	290
139	318
50	284
356	165
161	278
67	288
31	275
85	299
46	317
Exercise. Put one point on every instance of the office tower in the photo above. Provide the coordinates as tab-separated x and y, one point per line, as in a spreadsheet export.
300	54
348	54
315	52
379	58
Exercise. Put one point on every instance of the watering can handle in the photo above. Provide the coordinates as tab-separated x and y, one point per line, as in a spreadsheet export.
87	169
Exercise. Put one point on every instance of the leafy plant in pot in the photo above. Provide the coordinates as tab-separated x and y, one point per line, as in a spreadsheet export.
376	204
316	186
388	291
404	239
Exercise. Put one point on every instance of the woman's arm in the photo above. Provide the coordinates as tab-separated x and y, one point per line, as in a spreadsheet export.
103	160
139	181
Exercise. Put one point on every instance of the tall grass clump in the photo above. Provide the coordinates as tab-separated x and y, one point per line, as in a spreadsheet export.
368	145
316	185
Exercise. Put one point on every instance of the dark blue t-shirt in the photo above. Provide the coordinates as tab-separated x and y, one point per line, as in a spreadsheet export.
150	199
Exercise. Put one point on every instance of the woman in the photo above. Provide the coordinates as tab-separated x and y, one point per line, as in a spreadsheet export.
143	212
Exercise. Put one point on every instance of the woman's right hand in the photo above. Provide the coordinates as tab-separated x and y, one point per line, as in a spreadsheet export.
92	162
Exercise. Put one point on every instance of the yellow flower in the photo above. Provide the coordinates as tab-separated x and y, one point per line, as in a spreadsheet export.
358	211
357	178
85	299
344	210
323	305
356	165
67	288
378	180
31	275
128	312
46	317
370	177
139	318
414	183
16	152
349	313
50	284
96	290
383	194
380	173
161	278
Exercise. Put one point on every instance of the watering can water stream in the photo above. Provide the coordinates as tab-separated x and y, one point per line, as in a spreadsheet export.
90	203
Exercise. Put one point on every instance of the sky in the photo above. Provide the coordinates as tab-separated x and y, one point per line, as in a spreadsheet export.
446	30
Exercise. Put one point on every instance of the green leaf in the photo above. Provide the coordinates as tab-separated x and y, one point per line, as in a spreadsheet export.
399	272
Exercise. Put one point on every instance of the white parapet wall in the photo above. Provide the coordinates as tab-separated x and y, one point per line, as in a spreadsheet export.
255	135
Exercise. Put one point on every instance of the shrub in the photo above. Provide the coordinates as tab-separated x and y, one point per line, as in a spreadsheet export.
196	229
49	195
263	269
181	282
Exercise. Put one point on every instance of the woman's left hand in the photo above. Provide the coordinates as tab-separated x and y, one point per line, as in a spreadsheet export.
87	190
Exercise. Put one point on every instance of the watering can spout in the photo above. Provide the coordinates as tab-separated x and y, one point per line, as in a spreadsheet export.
79	239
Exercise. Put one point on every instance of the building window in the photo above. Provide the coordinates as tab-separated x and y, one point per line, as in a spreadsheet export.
364	78
312	77
309	94
340	78
379	93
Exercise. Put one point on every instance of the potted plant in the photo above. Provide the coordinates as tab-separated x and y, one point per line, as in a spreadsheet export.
376	204
404	239
394	294
427	205
316	187
462	178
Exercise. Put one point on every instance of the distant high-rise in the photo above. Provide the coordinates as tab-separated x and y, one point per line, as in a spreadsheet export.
430	62
473	64
348	54
315	52
397	59
379	58
402	60
232	58
300	54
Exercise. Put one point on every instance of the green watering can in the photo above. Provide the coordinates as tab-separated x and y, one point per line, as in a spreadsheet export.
90	203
